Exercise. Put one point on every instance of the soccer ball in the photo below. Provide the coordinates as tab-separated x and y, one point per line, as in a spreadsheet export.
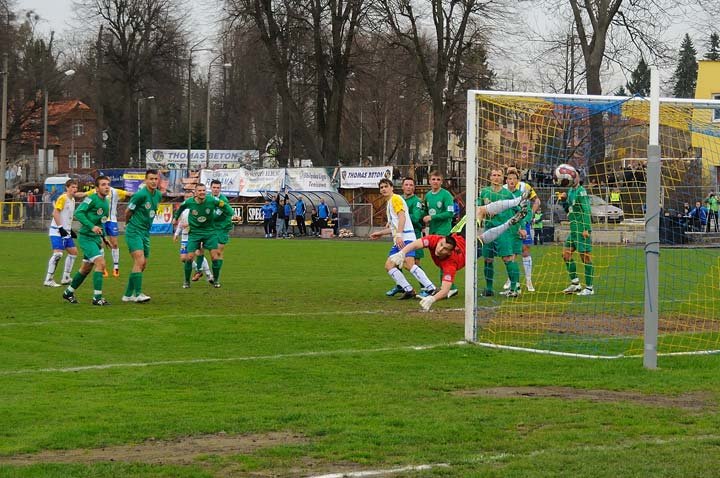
565	175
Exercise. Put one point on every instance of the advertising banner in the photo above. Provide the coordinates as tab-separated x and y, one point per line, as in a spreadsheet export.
308	179
219	159
243	182
353	178
162	222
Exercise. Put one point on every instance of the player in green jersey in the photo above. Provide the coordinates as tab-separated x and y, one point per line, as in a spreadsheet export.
440	210
139	217
576	203
202	229
503	245
92	214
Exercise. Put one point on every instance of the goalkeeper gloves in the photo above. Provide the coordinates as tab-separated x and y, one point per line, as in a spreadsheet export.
398	258
427	302
63	232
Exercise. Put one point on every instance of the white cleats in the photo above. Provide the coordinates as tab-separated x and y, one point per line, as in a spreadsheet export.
51	283
587	291
573	288
142	298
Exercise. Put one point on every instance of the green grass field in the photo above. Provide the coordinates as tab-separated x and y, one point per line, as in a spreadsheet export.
300	366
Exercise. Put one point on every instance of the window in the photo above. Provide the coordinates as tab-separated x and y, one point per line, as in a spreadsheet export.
86	162
72	159
78	128
716	113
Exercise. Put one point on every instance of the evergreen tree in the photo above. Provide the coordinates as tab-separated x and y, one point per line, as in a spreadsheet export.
685	75
621	91
713	52
640	80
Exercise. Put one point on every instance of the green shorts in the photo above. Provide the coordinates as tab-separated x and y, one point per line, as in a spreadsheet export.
208	240
577	242
223	237
138	242
91	247
419	254
500	247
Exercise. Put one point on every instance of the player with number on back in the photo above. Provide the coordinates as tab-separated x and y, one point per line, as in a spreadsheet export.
139	217
92	214
576	203
61	235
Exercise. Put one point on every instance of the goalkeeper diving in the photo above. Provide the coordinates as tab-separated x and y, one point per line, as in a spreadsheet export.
448	252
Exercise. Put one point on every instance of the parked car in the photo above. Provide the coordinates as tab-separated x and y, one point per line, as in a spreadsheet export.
600	211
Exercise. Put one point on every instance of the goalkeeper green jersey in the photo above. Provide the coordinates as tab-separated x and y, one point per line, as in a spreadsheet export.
93	211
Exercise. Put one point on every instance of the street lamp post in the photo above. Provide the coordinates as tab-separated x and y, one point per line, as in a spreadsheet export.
3	132
193	49
67	73
207	118
139	126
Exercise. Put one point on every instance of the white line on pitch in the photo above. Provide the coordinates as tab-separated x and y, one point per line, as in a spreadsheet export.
488	458
324	353
391	471
194	316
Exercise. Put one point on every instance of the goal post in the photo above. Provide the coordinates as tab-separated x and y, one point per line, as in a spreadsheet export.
635	222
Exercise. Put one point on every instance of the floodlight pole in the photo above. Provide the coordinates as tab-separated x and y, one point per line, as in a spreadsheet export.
652	227
3	146
139	126
207	118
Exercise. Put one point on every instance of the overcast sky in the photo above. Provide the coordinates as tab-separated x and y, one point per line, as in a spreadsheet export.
58	15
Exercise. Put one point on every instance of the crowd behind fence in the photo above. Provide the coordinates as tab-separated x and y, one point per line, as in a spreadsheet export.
677	202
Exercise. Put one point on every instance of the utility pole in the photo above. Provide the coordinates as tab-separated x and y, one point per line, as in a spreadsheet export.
3	132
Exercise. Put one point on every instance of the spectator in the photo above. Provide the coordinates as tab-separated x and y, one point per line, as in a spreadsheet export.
47	202
273	219
698	217
537	227
334	221
713	205
685	215
323	213
267	214
288	215
314	222
281	221
300	217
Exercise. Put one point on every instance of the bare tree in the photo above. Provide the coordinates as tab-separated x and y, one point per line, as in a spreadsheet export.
315	38
139	37
457	26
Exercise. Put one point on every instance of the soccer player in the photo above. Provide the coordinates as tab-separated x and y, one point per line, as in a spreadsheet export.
202	229
400	226
92	214
416	208
111	226
522	233
182	231
61	235
448	253
440	208
502	246
576	203
139	217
